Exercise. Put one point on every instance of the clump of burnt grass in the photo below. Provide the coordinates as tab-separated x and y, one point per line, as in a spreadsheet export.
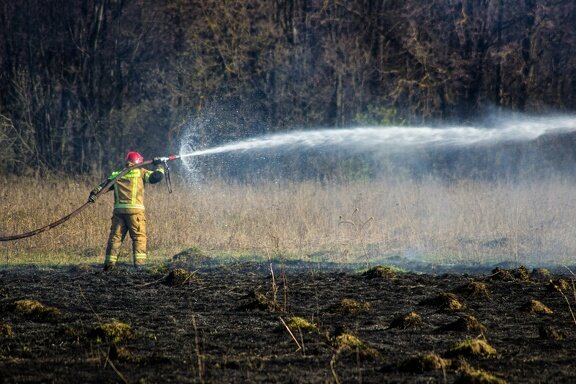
179	277
302	324
409	320
123	354
428	362
424	363
113	332
466	323
351	307
446	301
381	272
541	274
71	333
258	301
346	341
6	330
502	274
472	348
535	306
474	289
522	273
558	285
36	311
549	333
469	375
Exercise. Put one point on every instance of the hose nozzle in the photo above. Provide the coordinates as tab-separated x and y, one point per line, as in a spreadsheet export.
160	160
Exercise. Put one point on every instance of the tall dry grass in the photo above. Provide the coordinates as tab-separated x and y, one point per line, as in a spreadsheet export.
531	222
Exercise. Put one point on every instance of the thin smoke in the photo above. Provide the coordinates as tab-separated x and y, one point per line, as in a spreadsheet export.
394	138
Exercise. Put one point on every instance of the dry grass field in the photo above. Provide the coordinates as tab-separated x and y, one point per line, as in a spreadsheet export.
466	222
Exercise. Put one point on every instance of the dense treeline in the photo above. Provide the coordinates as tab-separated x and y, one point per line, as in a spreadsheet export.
83	81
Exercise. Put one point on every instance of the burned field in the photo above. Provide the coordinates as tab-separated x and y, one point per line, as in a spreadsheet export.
241	323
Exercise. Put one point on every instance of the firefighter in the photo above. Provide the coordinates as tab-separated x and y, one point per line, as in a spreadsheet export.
128	214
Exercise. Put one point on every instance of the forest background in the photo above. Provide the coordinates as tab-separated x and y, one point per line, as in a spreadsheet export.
84	81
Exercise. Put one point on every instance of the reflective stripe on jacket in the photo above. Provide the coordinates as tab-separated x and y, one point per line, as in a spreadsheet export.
129	190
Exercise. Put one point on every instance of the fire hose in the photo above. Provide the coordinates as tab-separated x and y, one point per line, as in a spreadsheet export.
105	188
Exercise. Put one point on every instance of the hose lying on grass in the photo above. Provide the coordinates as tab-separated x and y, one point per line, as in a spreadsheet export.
56	223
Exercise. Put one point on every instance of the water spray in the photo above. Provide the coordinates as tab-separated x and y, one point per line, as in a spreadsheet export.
394	139
390	139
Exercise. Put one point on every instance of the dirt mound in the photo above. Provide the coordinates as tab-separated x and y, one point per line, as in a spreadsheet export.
6	330
258	301
113	332
535	306
472	348
470	375
409	320
549	333
348	342
192	255
380	272
541	274
558	285
36	311
123	354
446	301
350	306
502	274
296	322
424	363
466	323
474	289
521	273
178	277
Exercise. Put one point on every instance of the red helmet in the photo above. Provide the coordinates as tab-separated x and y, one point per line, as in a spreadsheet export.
134	157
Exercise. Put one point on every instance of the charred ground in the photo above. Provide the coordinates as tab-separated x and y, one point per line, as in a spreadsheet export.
240	323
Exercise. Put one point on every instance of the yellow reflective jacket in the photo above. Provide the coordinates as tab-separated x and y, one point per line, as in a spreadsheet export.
129	189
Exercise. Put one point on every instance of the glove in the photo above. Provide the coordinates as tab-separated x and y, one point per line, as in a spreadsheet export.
93	193
157	161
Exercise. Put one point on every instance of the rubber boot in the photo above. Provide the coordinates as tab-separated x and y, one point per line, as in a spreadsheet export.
139	260
109	267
